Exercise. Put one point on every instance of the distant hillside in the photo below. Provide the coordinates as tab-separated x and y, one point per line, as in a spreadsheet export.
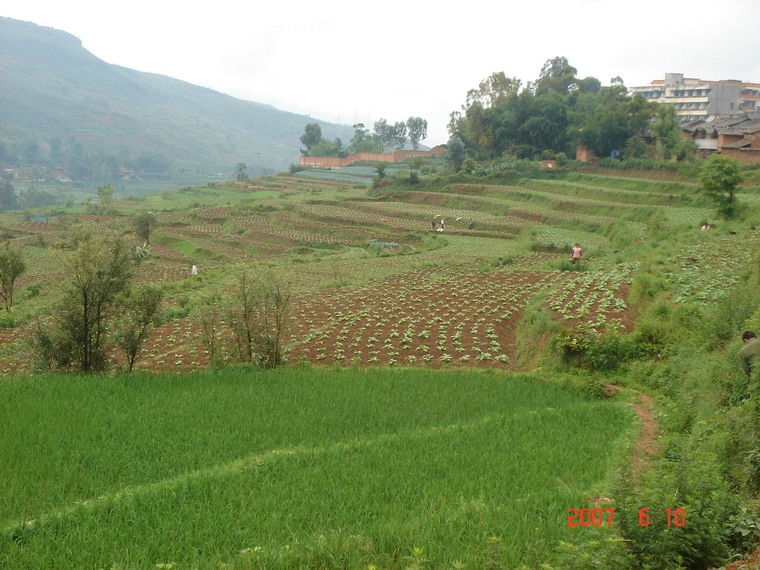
52	88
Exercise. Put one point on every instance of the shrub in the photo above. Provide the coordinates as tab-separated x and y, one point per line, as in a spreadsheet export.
692	482
259	319
586	348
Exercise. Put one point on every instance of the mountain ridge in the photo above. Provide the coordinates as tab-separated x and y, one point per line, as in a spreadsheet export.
52	87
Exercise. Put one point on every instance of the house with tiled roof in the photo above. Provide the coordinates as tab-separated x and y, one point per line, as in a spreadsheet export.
737	137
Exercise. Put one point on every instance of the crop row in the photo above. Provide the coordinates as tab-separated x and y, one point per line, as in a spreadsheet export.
706	271
594	296
421	317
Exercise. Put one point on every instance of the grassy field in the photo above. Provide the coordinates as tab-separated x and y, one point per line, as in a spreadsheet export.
429	416
298	467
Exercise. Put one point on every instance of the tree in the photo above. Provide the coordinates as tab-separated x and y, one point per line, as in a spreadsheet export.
140	307
144	224
384	133
720	178
398	134
311	136
210	322
259	321
242	172
557	76
12	266
417	129
7	196
105	193
98	270
667	131
456	153
363	141
327	148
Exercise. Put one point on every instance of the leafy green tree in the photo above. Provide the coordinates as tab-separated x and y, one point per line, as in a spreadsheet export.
398	135
417	130
547	128
589	85
145	223
105	193
720	178
557	76
496	89
98	271
139	309
416	163
12	266
362	140
384	133
259	320
635	147
7	196
328	148
455	153
312	136
667	131
242	172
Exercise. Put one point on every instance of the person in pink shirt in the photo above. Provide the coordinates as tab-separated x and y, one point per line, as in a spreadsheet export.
577	253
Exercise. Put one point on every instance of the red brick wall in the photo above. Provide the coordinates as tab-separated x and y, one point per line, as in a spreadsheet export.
396	156
749	156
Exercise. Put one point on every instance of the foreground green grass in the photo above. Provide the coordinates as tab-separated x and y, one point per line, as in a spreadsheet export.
297	467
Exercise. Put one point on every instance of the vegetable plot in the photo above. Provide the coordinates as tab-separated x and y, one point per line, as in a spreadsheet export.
422	317
596	298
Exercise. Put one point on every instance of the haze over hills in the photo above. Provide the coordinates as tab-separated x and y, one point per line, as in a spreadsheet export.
53	88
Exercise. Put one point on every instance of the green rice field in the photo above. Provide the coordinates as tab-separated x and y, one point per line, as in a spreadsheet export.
299	467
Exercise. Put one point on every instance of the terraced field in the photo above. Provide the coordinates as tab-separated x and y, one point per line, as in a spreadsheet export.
445	297
408	427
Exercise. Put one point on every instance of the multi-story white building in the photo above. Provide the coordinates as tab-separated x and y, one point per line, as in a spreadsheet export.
702	100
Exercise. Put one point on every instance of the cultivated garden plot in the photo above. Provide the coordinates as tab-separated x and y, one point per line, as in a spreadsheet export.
523	203
424	317
708	269
596	298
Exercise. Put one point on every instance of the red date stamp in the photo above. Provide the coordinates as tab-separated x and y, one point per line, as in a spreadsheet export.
606	516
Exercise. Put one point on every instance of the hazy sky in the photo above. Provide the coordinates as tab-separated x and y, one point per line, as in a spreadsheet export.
349	62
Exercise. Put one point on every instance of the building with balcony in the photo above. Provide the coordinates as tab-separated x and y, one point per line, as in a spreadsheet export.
702	100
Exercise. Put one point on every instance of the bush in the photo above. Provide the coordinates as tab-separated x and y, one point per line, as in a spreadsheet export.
691	482
585	348
31	291
7	321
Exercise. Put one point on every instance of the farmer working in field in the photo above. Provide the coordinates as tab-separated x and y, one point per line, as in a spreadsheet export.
750	352
577	253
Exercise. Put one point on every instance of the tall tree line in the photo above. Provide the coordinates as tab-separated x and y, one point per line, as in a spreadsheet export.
386	136
558	111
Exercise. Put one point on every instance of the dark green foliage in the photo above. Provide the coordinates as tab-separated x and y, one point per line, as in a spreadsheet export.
552	115
720	178
144	224
259	317
692	481
586	348
98	271
7	196
12	266
455	154
140	309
